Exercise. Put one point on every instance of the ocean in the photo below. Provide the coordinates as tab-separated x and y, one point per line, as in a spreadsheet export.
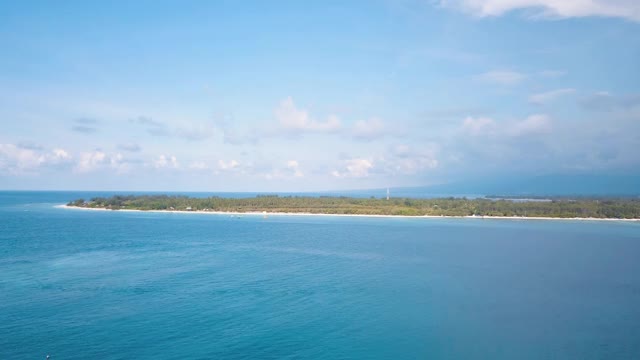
79	284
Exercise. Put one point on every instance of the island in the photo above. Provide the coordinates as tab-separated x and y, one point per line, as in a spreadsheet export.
563	208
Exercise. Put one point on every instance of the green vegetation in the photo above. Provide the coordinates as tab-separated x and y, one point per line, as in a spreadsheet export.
557	208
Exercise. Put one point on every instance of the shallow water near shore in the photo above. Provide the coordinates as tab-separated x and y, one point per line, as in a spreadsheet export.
137	285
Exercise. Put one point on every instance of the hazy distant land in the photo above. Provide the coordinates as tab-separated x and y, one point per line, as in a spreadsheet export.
560	208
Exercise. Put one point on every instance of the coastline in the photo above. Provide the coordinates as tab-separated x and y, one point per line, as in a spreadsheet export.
260	213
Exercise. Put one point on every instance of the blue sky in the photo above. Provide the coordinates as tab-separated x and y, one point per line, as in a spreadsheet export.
297	96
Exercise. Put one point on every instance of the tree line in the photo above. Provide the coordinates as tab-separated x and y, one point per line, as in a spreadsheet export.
619	208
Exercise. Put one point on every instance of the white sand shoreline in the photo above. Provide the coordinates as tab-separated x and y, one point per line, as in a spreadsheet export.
259	213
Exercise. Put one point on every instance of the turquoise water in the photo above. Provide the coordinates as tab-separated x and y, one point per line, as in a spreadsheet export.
121	285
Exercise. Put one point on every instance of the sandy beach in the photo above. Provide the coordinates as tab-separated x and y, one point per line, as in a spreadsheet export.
261	213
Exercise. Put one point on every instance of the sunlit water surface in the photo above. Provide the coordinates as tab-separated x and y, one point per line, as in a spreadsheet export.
124	285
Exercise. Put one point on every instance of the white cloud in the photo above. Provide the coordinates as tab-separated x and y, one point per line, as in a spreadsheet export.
17	159
507	77
532	125
354	168
290	170
118	163
552	73
628	9
20	160
368	129
549	96
60	155
95	160
166	162
293	120
228	165
298	120
90	160
478	125
502	77
295	168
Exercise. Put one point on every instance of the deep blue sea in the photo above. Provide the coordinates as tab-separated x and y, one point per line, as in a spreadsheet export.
80	284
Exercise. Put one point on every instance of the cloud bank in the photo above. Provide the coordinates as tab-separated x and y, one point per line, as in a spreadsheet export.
626	9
